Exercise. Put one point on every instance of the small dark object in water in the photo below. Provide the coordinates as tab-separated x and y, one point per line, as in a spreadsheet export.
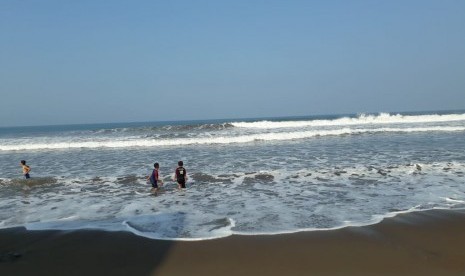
381	172
9	257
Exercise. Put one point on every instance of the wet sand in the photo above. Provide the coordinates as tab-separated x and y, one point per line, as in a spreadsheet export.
421	243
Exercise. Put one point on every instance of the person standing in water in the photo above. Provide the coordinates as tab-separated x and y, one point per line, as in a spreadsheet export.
180	176
154	179
26	169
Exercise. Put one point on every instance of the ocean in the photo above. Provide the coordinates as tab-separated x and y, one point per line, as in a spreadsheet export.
246	177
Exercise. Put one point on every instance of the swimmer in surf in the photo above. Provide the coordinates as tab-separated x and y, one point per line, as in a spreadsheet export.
26	169
154	179
180	175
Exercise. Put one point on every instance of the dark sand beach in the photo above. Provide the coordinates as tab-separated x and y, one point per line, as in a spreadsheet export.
421	243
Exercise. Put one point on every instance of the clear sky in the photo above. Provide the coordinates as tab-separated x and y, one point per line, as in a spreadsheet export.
119	61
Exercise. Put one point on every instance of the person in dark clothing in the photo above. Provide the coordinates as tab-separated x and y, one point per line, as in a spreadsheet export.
154	179
180	175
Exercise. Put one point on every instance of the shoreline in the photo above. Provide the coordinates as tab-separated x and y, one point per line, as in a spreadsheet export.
415	243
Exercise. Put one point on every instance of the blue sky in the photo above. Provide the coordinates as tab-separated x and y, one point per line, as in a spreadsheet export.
119	61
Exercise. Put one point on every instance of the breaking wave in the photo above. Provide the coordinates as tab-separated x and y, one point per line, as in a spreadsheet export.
247	138
363	119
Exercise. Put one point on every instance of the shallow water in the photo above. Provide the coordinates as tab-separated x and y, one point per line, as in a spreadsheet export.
246	177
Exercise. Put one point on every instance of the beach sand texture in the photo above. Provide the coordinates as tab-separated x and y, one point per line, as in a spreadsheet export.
420	243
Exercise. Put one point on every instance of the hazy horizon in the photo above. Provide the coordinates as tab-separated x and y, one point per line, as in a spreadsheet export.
297	117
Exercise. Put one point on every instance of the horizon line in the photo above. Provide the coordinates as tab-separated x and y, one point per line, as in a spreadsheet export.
231	119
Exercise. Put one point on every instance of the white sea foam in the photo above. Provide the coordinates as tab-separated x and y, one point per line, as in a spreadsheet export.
382	118
248	138
245	185
261	202
454	200
171	226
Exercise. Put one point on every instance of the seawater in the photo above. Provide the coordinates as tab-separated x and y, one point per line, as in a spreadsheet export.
247	177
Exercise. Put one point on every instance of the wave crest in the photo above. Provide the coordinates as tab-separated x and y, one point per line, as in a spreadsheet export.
248	138
362	119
